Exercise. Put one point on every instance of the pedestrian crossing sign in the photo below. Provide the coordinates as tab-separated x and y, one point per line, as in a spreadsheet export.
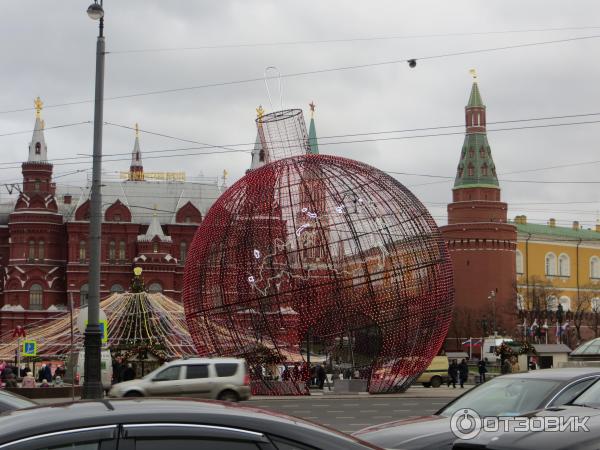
29	347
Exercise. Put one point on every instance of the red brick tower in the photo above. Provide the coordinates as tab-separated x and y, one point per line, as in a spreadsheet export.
481	242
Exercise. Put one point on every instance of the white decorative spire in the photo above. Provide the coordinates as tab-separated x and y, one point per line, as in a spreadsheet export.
154	229
37	147
136	154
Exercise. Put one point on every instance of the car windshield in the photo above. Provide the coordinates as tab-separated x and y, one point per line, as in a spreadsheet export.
504	396
590	397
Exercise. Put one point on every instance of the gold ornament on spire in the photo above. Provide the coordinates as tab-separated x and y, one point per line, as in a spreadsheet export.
312	106
260	112
225	173
38	105
137	130
473	73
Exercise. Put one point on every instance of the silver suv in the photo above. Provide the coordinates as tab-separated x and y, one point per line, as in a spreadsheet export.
216	378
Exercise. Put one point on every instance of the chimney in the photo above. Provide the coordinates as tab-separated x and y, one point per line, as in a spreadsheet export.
67	199
552	222
575	225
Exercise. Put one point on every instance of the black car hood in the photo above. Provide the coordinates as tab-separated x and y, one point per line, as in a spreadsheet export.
427	432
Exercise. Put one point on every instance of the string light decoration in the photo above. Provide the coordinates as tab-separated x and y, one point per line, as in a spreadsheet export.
138	323
326	250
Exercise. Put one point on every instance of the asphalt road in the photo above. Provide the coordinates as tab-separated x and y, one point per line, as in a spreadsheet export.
352	414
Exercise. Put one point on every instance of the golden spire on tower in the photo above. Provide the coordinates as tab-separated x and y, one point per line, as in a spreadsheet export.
312	106
260	112
473	73
38	105
137	130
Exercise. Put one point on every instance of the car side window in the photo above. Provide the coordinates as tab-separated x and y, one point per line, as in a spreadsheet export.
572	392
193	444
169	374
284	444
226	369
197	371
80	446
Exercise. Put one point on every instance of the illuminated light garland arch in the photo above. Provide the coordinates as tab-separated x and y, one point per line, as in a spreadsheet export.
322	246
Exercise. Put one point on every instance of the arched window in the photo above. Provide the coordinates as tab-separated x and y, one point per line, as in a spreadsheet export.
182	251
471	153
38	148
470	170
551	303
520	302
122	251
117	288
261	155
41	250
31	255
484	170
82	251
564	269
36	186
519	263
565	302
36	294
112	250
460	171
155	247
550	264
594	267
596	305
154	288
481	153
83	295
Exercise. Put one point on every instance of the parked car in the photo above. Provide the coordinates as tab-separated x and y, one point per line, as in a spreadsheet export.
10	401
507	395
436	373
214	378
178	424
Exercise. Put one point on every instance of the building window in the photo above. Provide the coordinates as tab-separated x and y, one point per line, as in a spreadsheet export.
155	247
117	218
596	304
38	148
550	264
83	295
564	269
41	250
82	251
261	155
484	170
481	153
122	251
520	302
112	250
460	172
182	252
471	153
154	288
565	302
36	294
31	255
552	303
471	170
116	288
519	262
188	219
594	267
36	186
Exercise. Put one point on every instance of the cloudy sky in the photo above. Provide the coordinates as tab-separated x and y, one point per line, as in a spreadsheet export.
48	49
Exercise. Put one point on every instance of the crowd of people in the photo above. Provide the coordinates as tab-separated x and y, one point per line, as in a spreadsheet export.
46	377
122	371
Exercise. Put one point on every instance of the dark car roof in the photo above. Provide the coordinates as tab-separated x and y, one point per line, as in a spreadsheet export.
44	419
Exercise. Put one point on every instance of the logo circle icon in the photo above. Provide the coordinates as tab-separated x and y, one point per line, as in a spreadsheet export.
465	423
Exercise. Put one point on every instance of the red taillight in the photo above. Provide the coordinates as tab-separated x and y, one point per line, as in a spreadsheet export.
247	380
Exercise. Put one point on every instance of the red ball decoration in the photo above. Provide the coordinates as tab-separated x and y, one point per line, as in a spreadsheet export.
321	252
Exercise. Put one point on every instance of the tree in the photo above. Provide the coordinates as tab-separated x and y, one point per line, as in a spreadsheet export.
586	309
536	304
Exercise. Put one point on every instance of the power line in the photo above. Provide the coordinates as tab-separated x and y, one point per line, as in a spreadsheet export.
66	125
342	40
310	72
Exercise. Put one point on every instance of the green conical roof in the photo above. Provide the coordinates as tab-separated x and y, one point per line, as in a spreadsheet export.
475	97
476	167
312	138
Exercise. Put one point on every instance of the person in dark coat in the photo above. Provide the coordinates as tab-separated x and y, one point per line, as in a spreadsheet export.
482	366
505	368
321	375
452	373
463	372
11	381
48	372
128	373
41	373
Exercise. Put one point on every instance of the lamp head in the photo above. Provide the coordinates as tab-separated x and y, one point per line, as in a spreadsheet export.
95	11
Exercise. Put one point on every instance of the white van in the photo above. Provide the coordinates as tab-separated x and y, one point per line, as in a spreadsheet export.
106	371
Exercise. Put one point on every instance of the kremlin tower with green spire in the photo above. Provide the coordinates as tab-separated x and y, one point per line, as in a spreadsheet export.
480	241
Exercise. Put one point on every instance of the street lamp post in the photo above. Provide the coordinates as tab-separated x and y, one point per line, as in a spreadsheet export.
492	297
92	385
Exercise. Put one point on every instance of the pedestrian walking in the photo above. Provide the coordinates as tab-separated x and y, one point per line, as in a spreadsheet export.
128	373
321	376
463	373
452	373
482	367
28	380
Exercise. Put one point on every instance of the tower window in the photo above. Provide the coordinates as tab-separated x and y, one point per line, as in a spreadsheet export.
41	249
31	255
471	170
155	247
112	250
261	155
38	148
36	186
36	293
481	153
82	251
137	156
182	251
484	170
122	253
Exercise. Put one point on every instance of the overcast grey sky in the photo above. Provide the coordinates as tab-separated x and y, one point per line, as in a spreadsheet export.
48	49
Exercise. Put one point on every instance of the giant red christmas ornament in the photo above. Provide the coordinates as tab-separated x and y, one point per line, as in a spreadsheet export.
324	253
